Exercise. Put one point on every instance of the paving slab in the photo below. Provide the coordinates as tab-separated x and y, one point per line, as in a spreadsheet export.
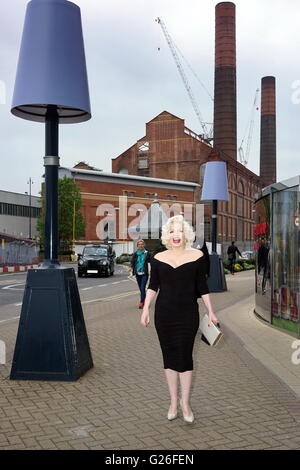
238	400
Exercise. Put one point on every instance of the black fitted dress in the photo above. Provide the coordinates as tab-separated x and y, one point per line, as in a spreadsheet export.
176	309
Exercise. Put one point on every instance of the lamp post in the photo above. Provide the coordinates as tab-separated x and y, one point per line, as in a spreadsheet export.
215	188
51	87
74	208
30	182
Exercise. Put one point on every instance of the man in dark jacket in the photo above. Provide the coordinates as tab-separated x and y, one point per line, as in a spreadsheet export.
263	262
231	252
139	267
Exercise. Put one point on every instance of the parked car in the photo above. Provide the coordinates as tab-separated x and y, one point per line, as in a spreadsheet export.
96	259
248	254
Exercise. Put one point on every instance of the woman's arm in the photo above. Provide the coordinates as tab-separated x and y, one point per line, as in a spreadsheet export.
211	316
203	292
145	318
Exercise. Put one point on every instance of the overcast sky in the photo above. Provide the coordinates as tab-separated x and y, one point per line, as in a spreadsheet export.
133	77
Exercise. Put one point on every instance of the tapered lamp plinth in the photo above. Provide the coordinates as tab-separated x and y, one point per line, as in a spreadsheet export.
52	342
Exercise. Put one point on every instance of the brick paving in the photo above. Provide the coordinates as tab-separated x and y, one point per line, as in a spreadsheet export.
122	402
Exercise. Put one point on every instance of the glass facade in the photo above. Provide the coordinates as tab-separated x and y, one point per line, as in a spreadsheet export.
277	246
285	295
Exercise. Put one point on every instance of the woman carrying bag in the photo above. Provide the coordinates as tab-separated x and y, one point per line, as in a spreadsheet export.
139	267
179	274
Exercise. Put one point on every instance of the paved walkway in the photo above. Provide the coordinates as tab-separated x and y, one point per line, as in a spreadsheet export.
239	401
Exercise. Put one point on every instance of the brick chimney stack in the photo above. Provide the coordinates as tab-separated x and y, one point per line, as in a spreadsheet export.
268	131
225	125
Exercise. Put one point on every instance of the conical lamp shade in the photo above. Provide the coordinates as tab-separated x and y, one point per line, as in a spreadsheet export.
215	184
51	67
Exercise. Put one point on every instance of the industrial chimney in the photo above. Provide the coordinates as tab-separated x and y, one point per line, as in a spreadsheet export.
268	131
225	133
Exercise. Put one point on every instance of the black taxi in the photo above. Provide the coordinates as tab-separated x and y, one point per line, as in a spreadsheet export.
96	259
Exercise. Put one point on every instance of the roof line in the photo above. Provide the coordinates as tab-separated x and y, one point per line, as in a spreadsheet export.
126	176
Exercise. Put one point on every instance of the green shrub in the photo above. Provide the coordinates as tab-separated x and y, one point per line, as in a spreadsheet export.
226	271
242	261
251	261
238	267
251	266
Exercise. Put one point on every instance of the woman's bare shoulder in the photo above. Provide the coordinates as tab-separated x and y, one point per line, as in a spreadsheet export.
161	255
199	253
193	249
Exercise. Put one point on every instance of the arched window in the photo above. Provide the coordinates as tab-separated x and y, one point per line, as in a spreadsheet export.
240	198
241	187
231	182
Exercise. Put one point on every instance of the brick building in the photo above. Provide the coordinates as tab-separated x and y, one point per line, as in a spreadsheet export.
112	202
170	150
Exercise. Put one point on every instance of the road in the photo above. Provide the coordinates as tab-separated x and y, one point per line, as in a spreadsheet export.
90	289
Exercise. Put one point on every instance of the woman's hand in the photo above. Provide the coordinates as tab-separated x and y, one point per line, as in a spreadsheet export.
145	318
212	318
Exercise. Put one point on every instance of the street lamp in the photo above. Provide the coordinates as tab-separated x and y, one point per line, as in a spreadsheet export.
51	87
215	188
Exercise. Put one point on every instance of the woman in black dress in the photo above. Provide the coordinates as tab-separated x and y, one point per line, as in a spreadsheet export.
179	275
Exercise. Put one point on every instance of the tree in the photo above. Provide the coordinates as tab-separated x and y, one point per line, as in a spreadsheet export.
71	224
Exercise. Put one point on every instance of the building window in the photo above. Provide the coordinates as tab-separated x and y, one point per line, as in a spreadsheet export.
150	195
207	232
225	233
143	146
128	193
18	210
142	162
240	206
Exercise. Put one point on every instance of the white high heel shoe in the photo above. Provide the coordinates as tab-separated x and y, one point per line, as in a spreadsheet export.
172	416
188	419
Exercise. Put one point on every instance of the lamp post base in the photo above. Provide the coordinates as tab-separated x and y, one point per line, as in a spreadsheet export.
52	342
216	281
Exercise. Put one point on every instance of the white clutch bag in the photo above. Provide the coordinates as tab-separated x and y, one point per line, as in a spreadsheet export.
212	334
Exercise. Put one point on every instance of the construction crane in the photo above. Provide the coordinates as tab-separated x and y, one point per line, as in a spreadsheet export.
205	136
244	157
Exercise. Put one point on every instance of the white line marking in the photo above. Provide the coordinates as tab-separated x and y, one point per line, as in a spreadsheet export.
115	297
9	319
13	285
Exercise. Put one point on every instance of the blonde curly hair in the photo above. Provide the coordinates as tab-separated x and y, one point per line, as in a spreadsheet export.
189	234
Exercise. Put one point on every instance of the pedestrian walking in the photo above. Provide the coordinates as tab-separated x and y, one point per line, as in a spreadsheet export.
139	267
231	253
179	273
263	263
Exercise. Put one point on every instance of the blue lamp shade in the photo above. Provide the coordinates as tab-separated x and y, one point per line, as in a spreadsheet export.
51	67
215	185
